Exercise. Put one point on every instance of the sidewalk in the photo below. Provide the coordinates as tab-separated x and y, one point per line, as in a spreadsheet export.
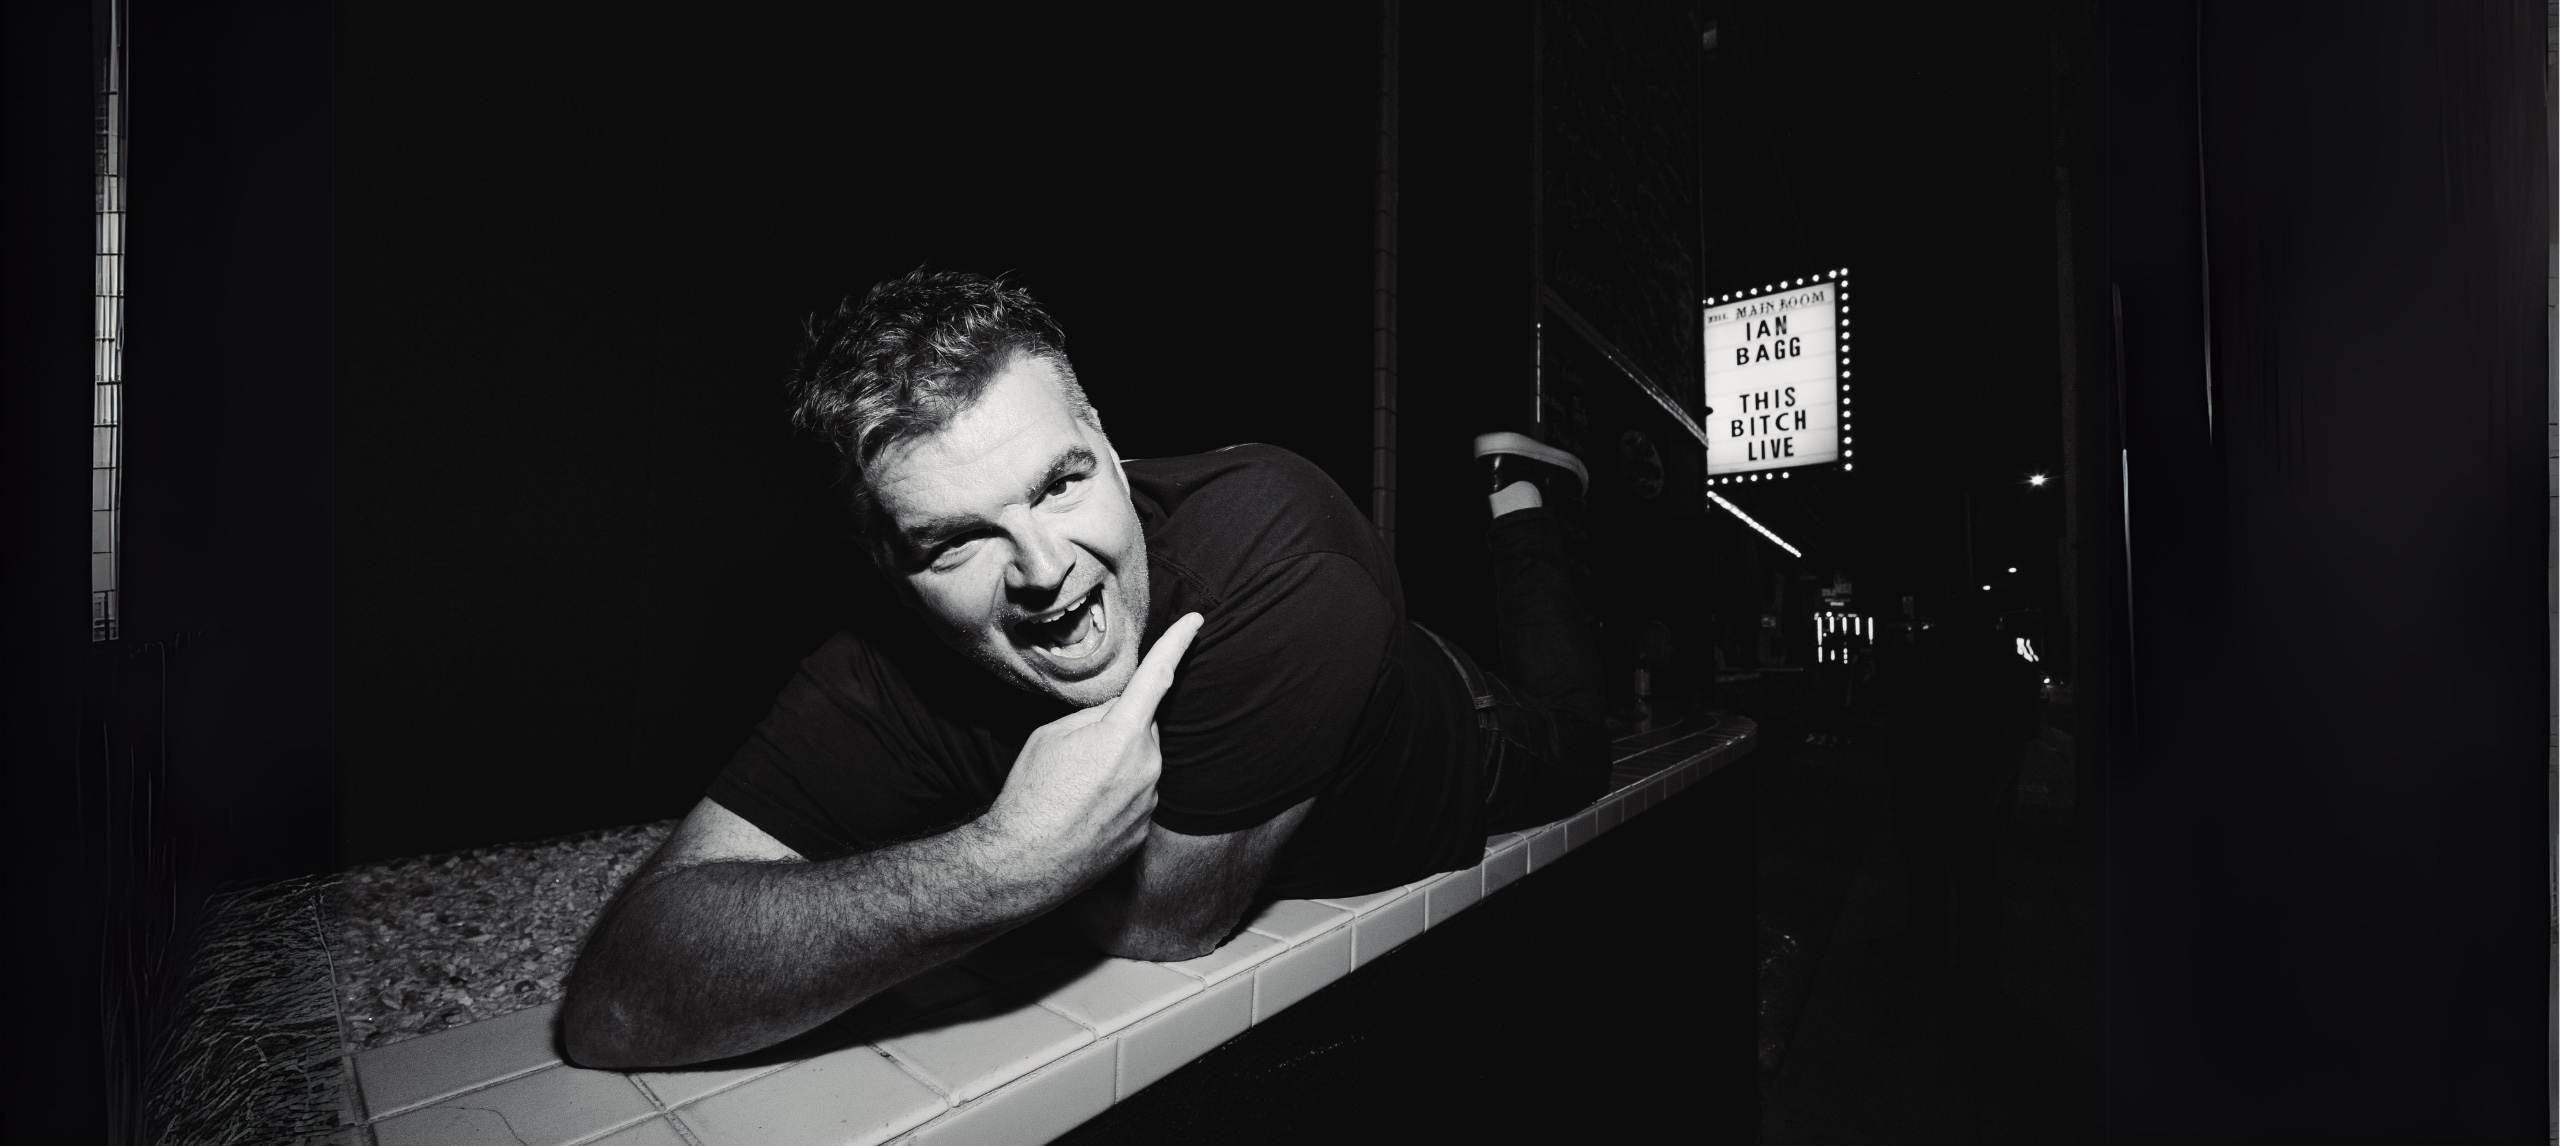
1879	1052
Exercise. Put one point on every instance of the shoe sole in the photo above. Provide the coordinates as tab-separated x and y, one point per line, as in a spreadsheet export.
1525	446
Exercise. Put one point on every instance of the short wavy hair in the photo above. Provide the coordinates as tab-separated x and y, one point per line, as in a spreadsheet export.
907	358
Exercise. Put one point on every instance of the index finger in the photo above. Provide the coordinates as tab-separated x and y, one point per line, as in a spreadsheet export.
1137	703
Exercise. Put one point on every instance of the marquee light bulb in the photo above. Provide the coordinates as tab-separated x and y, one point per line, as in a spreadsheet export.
2037	479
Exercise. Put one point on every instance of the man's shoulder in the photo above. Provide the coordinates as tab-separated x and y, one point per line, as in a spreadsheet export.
1249	469
1242	516
1265	496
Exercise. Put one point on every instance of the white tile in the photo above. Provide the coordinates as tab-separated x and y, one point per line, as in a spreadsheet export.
984	1049
678	1087
1640	795
1364	904
1547	846
1504	867
1580	829
1657	791
1300	972
1387	928
1501	840
1294	921
550	1107
421	1070
1118	992
654	1132
1049	1102
851	1097
1193	1027
1240	954
1611	812
1453	893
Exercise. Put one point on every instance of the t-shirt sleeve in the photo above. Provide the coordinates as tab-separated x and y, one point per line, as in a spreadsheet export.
830	771
1269	695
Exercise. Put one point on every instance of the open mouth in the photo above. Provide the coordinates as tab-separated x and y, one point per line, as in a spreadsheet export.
1067	634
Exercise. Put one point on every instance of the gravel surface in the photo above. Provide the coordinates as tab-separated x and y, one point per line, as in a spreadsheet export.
431	942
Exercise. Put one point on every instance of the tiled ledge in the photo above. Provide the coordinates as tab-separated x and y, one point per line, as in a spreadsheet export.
1016	1044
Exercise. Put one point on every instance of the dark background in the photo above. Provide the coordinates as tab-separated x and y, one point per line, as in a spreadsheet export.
581	547
2327	886
460	507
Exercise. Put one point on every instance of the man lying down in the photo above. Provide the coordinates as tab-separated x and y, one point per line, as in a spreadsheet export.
1138	695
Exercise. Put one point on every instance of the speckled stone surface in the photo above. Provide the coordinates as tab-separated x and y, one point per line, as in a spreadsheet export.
431	942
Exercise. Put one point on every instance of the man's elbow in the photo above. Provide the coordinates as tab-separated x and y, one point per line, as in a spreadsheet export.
598	1035
1159	951
1167	945
603	1032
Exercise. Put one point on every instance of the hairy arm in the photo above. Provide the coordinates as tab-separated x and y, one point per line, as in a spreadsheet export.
722	946
1181	895
729	942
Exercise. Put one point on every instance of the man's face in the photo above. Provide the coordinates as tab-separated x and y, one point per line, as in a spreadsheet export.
1017	538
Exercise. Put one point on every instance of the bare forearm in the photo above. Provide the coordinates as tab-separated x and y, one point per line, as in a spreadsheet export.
734	945
724	958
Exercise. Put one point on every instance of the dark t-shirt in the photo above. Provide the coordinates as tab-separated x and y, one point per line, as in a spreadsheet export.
1305	681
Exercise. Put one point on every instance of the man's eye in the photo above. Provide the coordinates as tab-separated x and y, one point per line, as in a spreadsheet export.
1063	486
956	550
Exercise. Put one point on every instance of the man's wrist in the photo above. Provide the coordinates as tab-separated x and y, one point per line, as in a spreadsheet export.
1019	876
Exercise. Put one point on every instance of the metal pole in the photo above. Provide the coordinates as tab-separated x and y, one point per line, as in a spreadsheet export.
1382	304
1538	211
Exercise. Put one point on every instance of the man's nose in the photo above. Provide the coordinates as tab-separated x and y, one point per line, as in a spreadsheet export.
1041	562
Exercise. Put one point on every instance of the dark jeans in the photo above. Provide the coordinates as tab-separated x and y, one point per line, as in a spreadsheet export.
1543	729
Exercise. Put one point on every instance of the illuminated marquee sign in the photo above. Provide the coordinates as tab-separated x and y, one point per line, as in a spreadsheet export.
1778	379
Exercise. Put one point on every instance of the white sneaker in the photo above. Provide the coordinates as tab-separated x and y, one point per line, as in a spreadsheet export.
1505	444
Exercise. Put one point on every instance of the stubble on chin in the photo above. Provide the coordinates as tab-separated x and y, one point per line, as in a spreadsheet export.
1131	599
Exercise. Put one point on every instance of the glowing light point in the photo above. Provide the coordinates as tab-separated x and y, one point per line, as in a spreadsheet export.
2036	479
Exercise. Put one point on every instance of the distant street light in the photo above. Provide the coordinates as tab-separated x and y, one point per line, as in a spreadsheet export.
2035	479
